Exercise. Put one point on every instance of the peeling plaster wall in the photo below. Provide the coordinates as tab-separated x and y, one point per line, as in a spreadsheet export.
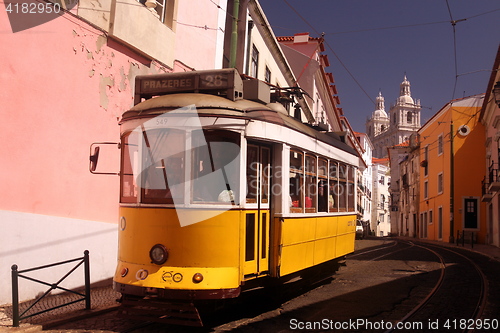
64	86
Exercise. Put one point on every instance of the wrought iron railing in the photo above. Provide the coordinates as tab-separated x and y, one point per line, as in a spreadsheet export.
16	274
485	187
493	173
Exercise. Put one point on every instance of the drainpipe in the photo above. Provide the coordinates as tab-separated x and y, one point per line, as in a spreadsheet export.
234	35
452	186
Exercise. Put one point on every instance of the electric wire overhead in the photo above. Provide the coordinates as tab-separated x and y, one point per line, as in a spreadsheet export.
451	21
333	52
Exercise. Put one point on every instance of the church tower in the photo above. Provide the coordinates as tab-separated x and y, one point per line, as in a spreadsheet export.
379	122
393	129
405	114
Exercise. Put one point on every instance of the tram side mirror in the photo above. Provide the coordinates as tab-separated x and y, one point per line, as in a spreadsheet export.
109	160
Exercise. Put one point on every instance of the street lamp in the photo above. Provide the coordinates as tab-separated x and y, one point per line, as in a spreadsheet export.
496	93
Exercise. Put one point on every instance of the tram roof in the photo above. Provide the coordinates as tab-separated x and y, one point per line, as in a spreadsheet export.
207	105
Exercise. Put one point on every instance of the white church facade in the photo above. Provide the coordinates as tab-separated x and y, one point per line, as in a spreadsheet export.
387	130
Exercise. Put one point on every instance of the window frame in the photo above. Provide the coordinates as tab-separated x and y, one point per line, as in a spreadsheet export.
440	143
254	62
310	183
327	189
440	183
296	196
267	75
225	137
164	10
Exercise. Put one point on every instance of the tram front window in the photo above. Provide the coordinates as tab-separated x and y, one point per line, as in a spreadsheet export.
130	165
154	167
215	167
160	170
163	164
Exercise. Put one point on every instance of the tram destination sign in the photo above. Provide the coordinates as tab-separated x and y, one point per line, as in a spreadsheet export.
222	81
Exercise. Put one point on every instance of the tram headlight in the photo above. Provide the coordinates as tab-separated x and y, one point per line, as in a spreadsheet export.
158	254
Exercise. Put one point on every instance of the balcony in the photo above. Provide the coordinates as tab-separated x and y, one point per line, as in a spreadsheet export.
404	178
486	195
494	179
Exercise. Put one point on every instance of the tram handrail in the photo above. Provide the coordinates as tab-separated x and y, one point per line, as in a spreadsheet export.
16	317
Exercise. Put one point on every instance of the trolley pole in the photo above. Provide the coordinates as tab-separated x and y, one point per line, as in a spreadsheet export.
452	184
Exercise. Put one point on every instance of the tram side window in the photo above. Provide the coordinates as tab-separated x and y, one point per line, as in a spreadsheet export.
311	184
350	189
342	188
258	173
322	185
252	172
333	179
296	181
266	172
162	178
130	164
216	163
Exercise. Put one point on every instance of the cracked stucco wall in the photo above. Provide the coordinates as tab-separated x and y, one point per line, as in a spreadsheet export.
112	67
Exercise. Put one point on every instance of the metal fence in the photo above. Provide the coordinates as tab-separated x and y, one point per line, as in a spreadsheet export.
466	236
16	317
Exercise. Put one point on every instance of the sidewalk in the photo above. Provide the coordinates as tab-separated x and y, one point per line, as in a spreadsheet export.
103	298
490	251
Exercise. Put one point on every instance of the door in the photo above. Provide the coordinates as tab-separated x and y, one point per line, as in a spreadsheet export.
471	213
257	217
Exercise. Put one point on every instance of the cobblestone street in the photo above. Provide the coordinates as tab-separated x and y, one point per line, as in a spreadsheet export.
348	295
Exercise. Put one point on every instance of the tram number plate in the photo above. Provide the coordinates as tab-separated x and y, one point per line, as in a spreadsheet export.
213	81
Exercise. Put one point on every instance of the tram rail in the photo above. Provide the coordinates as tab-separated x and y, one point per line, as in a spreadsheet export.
379	248
467	322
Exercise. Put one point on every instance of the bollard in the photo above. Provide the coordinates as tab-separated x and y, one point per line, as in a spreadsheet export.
87	279
15	297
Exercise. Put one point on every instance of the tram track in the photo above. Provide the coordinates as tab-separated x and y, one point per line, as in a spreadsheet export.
467	322
379	248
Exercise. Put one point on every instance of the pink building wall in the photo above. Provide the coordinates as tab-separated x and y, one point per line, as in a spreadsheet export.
199	32
63	86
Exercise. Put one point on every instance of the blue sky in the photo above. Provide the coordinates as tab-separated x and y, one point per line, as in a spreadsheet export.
372	44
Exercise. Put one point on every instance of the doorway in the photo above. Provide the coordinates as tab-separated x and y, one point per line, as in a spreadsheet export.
257	215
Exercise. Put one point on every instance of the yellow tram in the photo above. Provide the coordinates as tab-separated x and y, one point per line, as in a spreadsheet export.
220	192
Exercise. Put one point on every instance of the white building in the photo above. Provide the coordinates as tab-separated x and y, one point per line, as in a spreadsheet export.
380	223
365	181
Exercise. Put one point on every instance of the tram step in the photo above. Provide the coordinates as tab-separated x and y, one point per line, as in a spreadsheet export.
176	313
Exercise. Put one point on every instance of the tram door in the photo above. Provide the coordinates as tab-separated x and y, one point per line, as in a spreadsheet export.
257	213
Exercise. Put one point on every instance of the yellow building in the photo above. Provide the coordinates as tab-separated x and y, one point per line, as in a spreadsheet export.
450	184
